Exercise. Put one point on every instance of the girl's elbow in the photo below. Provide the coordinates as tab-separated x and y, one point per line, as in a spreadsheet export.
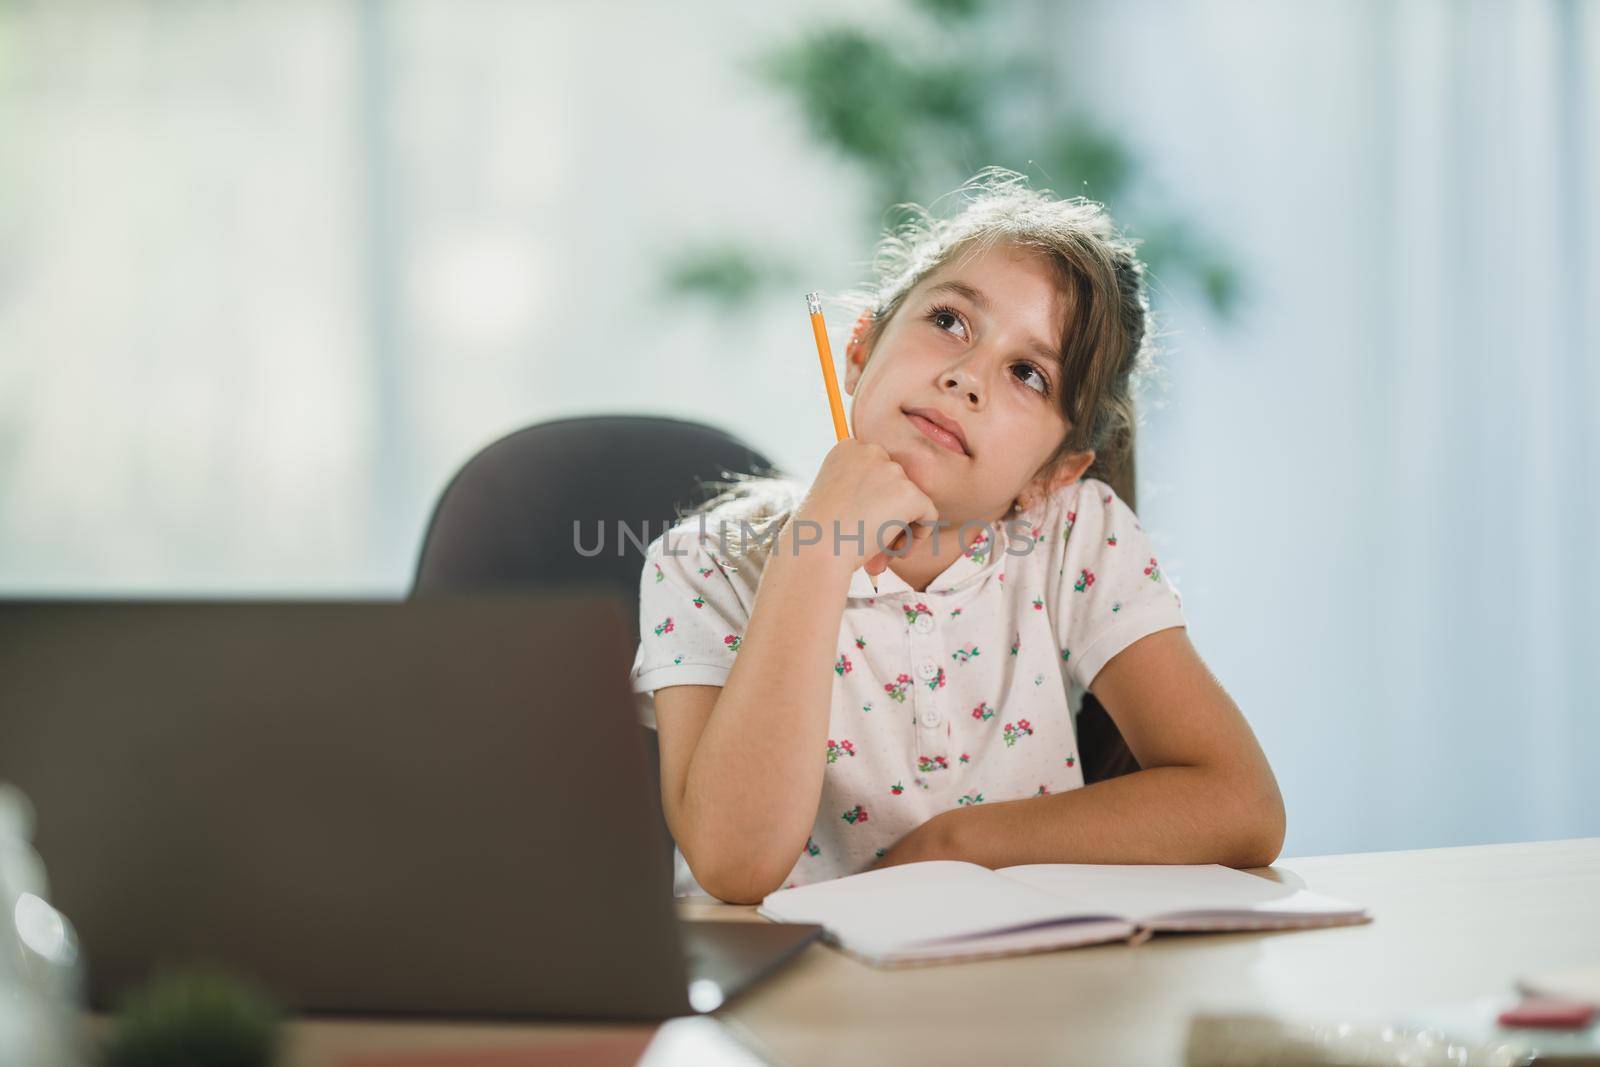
736	886
1268	825
733	878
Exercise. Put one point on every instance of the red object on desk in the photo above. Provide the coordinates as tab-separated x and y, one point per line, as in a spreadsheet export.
1549	1013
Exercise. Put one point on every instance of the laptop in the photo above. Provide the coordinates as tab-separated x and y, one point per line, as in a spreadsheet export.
435	807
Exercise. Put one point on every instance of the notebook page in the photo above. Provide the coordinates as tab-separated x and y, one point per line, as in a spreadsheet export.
1013	943
877	912
1143	893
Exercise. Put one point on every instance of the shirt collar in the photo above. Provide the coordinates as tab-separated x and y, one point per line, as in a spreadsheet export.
982	559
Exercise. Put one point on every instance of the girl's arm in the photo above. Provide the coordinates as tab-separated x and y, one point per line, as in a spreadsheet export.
1205	795
742	764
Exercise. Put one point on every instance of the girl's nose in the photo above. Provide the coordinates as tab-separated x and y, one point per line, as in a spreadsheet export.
963	381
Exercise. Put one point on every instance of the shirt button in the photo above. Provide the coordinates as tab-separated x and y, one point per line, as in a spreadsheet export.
924	624
928	670
930	718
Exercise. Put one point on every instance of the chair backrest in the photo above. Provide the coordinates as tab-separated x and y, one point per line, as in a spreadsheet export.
528	511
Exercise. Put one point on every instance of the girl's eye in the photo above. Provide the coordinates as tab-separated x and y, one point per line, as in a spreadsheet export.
1040	383
943	318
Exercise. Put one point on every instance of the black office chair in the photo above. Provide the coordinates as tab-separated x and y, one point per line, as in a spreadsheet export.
505	521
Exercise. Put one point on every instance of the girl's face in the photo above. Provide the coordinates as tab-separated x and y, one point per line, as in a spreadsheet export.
975	347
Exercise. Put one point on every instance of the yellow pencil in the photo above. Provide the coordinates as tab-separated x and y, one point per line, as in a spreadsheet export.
830	379
819	328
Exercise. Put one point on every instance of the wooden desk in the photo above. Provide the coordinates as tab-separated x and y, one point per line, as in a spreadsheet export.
1449	925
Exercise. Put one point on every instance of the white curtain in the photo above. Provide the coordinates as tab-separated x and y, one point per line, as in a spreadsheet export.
1380	483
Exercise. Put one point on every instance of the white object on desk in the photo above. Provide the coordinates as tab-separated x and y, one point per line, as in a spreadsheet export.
949	910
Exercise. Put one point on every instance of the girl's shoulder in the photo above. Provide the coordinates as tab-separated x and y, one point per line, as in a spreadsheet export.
1086	519
729	531
1087	500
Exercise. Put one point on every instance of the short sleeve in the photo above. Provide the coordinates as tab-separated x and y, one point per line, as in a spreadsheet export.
691	614
1110	589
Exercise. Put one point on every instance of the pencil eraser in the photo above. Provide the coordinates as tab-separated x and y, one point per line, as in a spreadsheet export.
1550	1013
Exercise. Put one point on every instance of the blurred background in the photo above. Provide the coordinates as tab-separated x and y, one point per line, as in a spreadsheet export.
271	271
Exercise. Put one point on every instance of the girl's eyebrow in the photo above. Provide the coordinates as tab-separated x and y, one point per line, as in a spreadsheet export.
962	289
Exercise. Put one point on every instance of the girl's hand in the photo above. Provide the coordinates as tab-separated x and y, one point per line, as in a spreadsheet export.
860	487
930	841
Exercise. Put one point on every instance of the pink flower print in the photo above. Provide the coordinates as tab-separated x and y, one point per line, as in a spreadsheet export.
664	626
836	749
733	641
677	660
878	855
1066	528
921	783
1070	761
1066	654
955	613
929	764
706	572
968	799
1116	607
1036	533
699	601
965	758
962	655
855	815
1038	603
841	666
897	688
1106	499
811	848
867	706
913	610
1013	732
1112	541
1153	572
897	789
983	712
1085	580
861	642
1016	643
937	681
1044	790
659	576
978	551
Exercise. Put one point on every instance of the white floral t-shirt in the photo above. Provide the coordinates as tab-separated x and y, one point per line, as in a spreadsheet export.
962	694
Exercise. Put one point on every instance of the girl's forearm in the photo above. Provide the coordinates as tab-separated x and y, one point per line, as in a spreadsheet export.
753	784
1156	815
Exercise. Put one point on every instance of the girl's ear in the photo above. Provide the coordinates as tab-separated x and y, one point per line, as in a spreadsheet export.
855	353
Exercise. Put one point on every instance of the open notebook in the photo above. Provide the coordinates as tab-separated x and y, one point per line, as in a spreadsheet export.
947	910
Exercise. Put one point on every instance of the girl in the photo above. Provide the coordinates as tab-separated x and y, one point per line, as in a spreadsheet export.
813	726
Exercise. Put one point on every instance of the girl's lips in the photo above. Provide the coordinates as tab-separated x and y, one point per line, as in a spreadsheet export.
936	434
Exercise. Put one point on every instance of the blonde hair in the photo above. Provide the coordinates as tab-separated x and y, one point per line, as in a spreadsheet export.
1106	343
